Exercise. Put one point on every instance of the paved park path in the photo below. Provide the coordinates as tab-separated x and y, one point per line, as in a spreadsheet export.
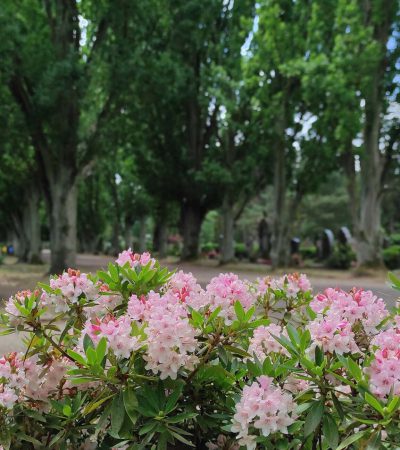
16	277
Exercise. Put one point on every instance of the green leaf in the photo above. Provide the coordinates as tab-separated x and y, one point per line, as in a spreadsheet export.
330	430
240	313
173	399
56	438
130	403
319	356
338	406
372	401
87	342
117	413
67	410
113	269
313	418
101	349
354	369
77	357
293	334
351	439
395	280
94	405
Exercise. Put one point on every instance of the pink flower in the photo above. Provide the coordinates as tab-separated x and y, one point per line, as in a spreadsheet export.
263	342
116	331
134	259
182	285
68	289
357	305
333	334
224	291
265	407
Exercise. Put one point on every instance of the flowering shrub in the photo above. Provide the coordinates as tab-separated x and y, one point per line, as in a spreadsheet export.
137	357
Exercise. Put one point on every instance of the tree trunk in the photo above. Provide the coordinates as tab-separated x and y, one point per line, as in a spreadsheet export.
21	241
228	224
279	244
192	218
160	239
369	236
31	225
351	185
63	212
142	234
128	234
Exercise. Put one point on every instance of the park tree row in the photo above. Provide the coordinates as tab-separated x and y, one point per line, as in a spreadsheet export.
174	108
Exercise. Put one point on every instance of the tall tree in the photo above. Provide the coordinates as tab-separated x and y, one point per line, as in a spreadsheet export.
352	78
49	57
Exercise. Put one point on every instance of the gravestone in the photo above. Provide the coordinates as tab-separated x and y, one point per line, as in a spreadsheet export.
294	245
328	241
344	236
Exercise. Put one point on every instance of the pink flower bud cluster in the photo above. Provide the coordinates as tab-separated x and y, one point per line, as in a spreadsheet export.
356	305
116	331
263	342
134	259
266	408
291	284
69	287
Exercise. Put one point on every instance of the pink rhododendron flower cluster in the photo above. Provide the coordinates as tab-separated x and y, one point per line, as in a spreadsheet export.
356	305
28	378
224	291
265	407
384	370
290	284
116	331
333	334
134	259
18	298
171	340
183	285
69	287
263	341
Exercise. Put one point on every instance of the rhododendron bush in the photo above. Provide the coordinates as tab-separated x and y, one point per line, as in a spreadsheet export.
137	357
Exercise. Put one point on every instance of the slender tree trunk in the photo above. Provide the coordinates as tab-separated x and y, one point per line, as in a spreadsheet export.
279	244
351	185
63	212
21	241
369	235
31	224
142	234
228	225
160	238
128	234
192	218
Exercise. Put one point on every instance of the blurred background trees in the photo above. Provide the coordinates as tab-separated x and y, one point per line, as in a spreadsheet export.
177	126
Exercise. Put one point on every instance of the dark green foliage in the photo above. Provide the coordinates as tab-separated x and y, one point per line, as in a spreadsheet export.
391	257
342	257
